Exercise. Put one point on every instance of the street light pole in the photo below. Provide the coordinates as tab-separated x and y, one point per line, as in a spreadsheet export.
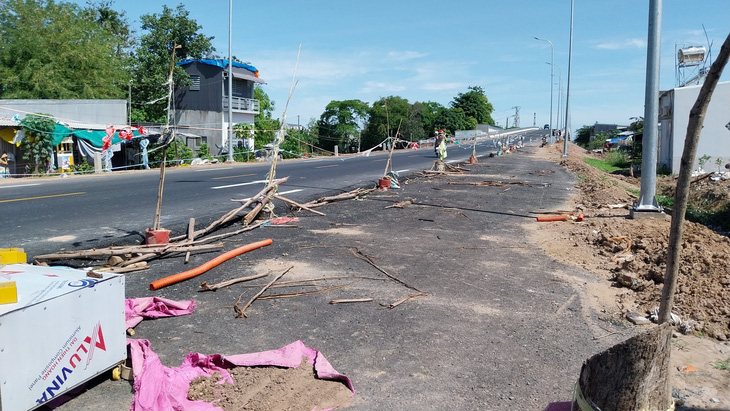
567	87
230	81
560	95
552	76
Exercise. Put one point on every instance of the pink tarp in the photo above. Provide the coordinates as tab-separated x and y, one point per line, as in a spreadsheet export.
158	387
137	309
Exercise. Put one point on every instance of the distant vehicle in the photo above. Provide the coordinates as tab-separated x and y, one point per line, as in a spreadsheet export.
546	126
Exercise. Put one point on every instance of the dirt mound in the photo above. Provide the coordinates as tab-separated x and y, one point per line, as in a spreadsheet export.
633	252
271	389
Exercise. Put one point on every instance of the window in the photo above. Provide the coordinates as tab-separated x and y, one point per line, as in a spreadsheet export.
196	82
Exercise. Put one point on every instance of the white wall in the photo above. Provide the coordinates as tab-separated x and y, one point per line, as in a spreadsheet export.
84	111
714	137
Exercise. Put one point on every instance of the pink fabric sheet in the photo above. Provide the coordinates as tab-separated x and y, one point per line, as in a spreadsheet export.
137	309
157	387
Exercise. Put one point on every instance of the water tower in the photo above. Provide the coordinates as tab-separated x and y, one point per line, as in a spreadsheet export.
691	68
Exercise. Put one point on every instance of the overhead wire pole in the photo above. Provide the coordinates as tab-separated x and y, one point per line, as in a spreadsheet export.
552	79
567	87
647	198
230	81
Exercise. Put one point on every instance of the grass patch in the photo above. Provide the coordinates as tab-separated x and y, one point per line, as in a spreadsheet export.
722	365
665	201
634	192
603	165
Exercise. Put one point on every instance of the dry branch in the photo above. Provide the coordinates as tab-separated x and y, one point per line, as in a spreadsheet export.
213	287
351	300
344	196
404	299
289	295
367	259
241	312
295	204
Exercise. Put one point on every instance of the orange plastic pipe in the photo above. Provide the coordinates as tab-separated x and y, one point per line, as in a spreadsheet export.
552	218
185	275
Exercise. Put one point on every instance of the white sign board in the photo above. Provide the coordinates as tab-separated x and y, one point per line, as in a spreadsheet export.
65	329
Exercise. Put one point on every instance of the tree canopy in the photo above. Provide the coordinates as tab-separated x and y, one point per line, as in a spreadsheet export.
54	50
153	57
475	104
341	121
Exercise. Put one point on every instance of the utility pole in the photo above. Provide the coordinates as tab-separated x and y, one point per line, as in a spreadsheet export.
534	119
647	198
299	134
517	116
230	81
567	88
129	106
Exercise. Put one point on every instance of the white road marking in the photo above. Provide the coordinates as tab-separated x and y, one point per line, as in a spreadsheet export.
240	184
402	171
213	169
22	185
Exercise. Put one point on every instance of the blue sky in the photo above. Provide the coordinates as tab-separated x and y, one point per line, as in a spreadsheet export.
425	50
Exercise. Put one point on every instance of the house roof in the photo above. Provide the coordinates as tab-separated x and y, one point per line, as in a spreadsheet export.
250	73
222	63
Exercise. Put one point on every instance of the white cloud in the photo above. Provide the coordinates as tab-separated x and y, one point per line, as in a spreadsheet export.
375	86
405	55
634	43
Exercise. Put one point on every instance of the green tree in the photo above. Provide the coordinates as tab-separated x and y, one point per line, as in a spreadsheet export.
36	145
113	22
54	50
152	60
635	152
341	121
475	104
429	114
452	119
413	129
384	118
583	136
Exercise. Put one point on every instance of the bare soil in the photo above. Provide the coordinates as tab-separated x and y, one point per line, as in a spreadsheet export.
271	389
630	254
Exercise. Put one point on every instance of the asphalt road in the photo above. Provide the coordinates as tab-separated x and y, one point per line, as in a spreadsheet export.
502	327
50	214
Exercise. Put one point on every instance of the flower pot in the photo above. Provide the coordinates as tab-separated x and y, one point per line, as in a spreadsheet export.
384	183
161	236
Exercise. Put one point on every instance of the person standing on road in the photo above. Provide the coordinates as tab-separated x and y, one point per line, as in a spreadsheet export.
145	159
438	138
441	146
4	165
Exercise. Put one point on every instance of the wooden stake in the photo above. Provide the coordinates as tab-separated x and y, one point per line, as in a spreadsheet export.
241	312
128	250
191	237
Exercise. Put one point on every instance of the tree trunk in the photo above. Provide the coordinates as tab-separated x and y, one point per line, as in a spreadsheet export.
632	375
681	194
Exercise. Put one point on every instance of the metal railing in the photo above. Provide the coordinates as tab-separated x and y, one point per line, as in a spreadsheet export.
243	104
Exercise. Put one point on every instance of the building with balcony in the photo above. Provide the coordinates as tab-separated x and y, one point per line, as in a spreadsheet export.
201	109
